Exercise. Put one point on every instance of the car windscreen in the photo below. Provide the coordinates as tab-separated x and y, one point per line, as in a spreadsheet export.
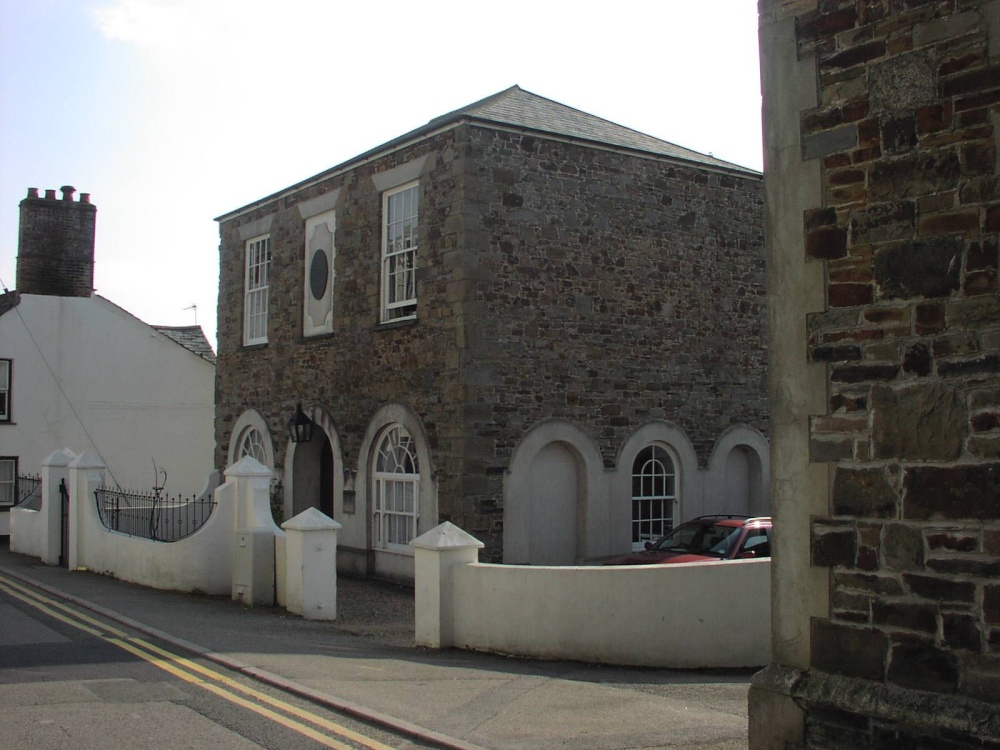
700	539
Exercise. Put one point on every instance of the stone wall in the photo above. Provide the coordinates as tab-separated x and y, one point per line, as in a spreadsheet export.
904	134
362	364
615	291
555	280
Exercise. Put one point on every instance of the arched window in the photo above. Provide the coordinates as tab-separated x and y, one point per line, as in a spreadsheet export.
250	437
396	489
252	444
654	491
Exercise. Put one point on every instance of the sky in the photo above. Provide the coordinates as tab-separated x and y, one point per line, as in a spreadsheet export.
173	112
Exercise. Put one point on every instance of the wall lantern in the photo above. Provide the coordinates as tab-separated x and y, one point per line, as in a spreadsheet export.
300	427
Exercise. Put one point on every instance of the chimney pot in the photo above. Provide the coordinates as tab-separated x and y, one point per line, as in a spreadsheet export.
55	245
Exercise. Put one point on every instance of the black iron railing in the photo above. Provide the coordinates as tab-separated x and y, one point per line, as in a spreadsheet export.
151	516
29	492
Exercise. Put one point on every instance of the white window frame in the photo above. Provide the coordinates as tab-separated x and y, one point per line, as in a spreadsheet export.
255	286
659	467
400	209
8	481
395	490
6	372
250	418
251	443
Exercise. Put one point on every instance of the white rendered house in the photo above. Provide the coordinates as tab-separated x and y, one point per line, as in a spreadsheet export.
79	372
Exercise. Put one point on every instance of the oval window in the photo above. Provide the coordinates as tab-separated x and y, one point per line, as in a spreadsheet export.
319	274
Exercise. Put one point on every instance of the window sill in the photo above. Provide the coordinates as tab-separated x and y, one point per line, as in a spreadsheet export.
258	345
402	551
319	337
392	325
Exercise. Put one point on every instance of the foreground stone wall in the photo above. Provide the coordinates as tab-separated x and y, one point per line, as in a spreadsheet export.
894	248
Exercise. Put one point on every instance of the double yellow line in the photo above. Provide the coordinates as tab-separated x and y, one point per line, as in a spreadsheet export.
214	682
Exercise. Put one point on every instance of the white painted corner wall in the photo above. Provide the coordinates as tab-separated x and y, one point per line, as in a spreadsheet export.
692	615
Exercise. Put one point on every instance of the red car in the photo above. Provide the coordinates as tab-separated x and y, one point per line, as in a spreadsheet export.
706	538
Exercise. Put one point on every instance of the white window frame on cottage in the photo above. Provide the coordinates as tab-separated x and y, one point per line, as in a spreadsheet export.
258	265
400	224
6	370
654	494
8	481
395	490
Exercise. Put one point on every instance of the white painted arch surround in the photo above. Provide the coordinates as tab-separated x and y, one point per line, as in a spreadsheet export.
689	479
250	418
391	563
758	452
592	485
604	503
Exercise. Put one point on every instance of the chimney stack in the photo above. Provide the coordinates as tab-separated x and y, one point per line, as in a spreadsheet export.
55	244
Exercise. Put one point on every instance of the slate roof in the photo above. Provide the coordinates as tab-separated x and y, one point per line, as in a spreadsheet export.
517	108
191	338
8	301
522	109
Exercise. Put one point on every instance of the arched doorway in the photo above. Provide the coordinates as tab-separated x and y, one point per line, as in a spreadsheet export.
739	476
548	517
554	506
742	492
736	482
313	473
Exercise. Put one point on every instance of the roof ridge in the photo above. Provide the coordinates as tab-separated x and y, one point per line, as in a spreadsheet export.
440	119
673	149
176	328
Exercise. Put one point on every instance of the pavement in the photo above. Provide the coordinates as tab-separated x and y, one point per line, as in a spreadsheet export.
366	663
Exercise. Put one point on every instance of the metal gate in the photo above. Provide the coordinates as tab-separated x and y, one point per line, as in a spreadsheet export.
64	525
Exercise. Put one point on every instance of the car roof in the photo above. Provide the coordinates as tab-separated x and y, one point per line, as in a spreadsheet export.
732	520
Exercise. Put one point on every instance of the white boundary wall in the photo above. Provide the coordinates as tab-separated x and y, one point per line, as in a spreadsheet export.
202	561
692	615
37	532
239	549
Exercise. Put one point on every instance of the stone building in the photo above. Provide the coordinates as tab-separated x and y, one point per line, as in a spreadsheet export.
542	326
883	199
